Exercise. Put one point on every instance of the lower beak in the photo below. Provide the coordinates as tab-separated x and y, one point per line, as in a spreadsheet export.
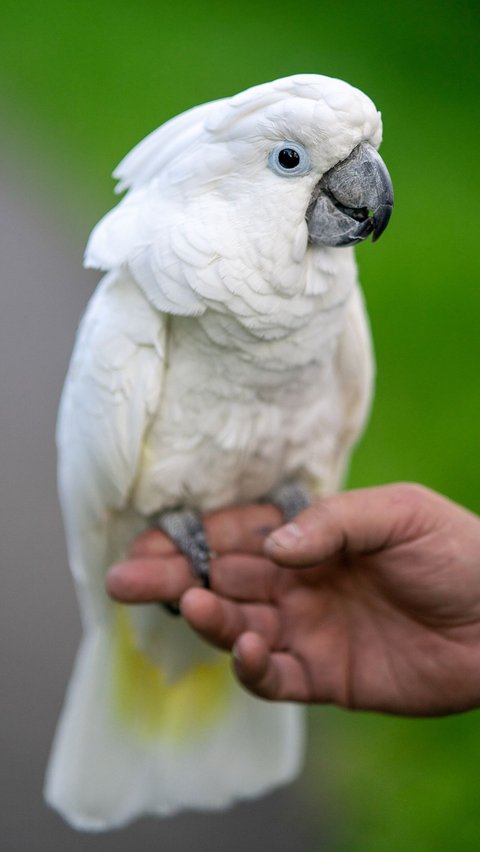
352	200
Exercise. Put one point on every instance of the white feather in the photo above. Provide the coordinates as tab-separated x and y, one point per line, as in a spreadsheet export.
220	355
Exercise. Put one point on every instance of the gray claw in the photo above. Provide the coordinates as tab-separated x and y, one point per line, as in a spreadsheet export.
290	497
185	529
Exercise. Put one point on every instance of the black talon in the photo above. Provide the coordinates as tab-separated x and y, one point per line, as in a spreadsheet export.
172	608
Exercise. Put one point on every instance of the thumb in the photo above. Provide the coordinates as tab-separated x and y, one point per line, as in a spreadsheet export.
358	521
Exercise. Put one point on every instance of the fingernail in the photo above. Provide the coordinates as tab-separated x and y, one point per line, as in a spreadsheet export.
285	537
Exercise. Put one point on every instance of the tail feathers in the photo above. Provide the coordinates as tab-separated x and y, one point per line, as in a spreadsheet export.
115	757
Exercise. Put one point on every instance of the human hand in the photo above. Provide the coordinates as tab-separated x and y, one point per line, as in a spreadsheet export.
375	603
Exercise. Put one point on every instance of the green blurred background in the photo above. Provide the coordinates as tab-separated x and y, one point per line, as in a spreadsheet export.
80	83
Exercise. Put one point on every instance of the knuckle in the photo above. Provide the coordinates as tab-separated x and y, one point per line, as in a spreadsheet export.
414	509
410	496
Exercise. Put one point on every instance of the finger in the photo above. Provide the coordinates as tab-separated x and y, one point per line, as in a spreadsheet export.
150	579
221	622
361	521
276	676
246	578
166	578
152	542
243	528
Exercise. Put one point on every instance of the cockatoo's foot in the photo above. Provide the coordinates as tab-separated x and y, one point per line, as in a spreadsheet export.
185	529
290	497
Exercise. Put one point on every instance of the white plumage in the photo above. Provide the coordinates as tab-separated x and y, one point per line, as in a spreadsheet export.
221	354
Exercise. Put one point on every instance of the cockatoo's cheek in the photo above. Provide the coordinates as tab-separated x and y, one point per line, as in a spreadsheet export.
352	200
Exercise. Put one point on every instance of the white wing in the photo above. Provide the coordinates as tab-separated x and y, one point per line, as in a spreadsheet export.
129	741
112	390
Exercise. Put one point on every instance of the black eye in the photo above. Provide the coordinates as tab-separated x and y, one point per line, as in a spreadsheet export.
288	158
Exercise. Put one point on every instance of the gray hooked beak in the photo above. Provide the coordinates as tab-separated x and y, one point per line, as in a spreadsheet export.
352	200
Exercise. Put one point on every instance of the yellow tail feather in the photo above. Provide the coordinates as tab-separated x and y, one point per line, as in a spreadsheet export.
150	706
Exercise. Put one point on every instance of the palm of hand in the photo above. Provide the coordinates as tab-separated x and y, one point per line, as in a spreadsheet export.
358	632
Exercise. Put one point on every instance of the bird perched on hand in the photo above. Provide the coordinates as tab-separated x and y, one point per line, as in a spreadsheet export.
224	358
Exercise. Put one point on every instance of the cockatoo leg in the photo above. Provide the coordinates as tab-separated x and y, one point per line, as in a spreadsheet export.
185	529
291	497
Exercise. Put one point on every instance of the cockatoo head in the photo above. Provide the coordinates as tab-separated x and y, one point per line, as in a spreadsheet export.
291	162
305	144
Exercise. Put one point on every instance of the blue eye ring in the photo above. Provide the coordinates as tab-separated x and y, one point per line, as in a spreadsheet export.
289	159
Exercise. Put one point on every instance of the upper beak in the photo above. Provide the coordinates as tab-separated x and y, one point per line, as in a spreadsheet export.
352	200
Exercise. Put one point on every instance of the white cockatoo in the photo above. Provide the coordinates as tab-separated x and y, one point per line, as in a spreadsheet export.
225	353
